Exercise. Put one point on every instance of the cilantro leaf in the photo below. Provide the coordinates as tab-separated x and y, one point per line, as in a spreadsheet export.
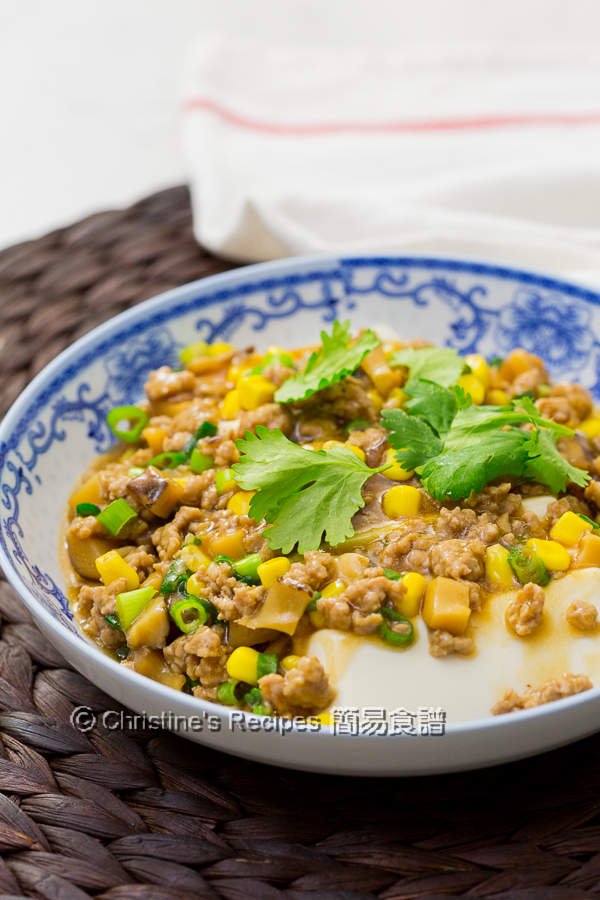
456	473
336	359
412	438
304	495
547	465
442	365
476	444
434	403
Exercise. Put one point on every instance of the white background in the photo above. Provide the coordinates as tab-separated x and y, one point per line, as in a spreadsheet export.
89	89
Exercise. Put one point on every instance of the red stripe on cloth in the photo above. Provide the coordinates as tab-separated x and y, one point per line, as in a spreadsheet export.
406	125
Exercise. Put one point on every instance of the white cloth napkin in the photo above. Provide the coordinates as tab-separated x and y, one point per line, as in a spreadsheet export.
483	151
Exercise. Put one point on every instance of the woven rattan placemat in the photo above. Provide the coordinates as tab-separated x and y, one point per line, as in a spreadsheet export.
147	815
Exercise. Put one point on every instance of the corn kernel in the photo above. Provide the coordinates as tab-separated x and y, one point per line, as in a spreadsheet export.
498	397
324	718
243	665
396	472
358	451
237	370
289	662
111	566
193	351
591	427
376	399
479	368
339	445
219	349
254	391
231	543
196	583
497	568
396	398
569	529
553	555
193	557
239	503
334	588
154	437
414	587
473	387
401	500
230	406
272	569
234	371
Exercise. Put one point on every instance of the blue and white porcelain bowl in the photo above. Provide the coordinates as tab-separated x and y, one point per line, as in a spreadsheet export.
57	427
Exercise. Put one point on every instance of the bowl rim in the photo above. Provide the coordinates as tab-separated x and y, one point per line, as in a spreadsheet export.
194	706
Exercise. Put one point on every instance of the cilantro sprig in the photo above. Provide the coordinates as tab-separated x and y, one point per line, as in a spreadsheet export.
441	365
337	358
305	495
457	448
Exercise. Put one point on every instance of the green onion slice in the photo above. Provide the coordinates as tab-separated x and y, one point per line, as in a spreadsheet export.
177	573
222	479
391	621
87	509
190	684
528	394
357	425
528	566
221	558
134	471
286	359
113	621
188	614
312	606
200	462
168	460
246	569
116	515
136	418
392	574
253	697
122	652
207	429
193	351
266	664
587	519
212	613
226	694
130	604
